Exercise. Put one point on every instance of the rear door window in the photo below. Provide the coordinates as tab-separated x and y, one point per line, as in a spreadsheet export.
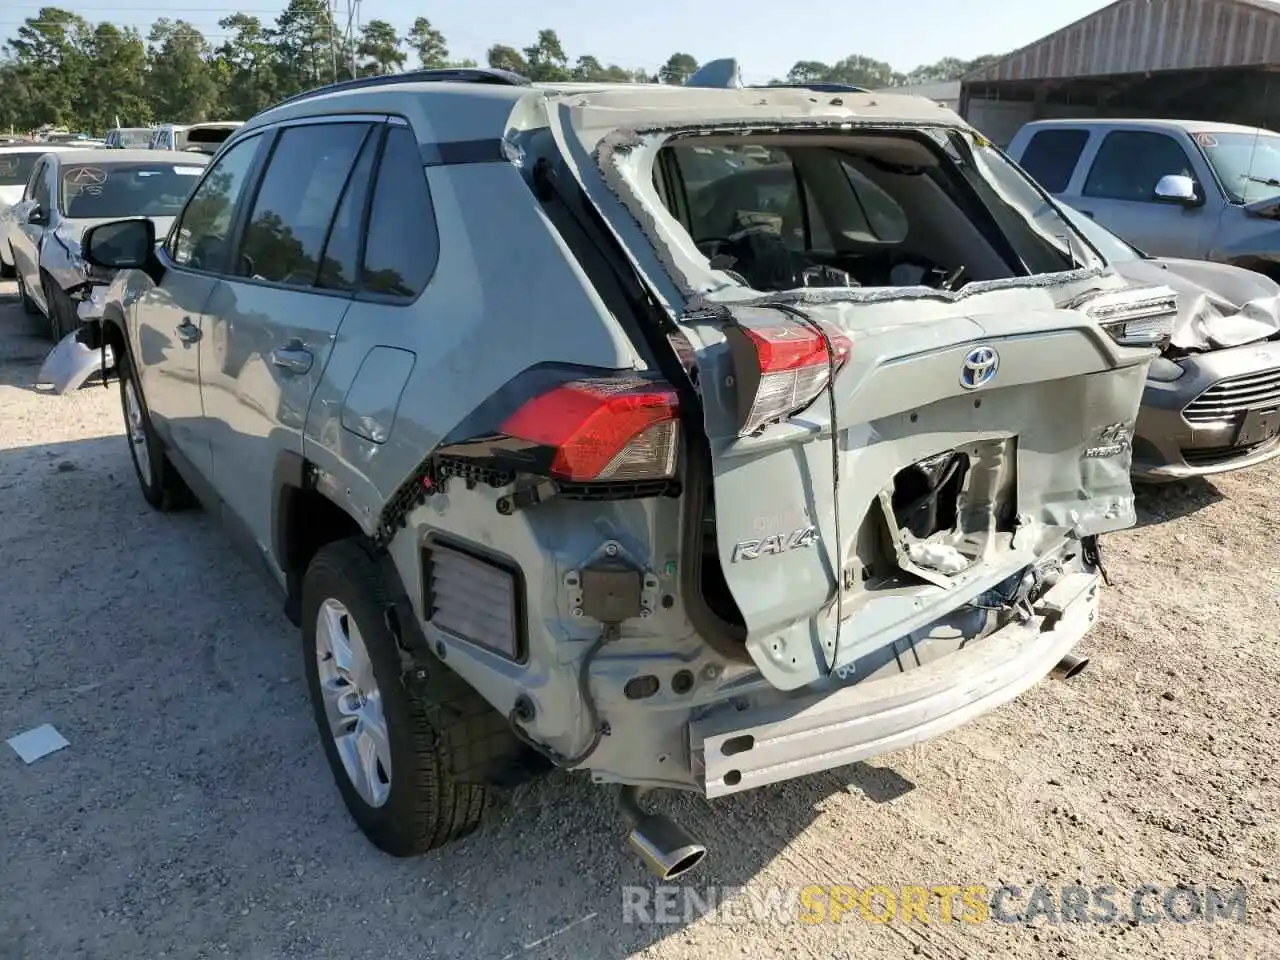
285	234
1051	157
402	247
1130	163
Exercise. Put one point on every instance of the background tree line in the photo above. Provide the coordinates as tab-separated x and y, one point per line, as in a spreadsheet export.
59	69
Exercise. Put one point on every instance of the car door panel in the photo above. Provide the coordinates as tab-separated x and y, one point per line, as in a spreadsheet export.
171	328
26	237
1118	191
166	352
271	326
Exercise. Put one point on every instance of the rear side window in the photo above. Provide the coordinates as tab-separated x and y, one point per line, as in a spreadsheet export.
1130	163
339	266
1051	157
402	246
304	181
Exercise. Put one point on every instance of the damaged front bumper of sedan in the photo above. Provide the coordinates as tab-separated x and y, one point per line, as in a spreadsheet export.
1212	401
71	362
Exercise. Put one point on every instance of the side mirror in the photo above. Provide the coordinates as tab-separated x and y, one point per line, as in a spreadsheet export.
121	244
36	216
1175	188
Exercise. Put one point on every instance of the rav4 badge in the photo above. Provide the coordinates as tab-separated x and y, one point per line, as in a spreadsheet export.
777	543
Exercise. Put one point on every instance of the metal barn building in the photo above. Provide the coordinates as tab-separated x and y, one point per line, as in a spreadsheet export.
1184	59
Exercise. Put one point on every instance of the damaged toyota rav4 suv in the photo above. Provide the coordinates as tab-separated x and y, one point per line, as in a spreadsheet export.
698	438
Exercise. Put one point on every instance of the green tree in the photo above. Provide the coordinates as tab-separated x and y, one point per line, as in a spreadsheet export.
588	68
181	80
119	87
678	68
546	58
308	48
808	71
429	44
248	66
52	61
502	57
379	49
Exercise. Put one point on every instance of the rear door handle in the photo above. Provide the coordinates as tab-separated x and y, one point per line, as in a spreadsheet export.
1087	213
188	332
293	356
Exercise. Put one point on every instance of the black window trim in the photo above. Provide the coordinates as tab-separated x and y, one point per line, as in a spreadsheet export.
1107	133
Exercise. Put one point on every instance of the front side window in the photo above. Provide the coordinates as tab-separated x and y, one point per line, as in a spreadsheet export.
203	232
1051	157
1130	163
402	247
1248	164
110	190
287	228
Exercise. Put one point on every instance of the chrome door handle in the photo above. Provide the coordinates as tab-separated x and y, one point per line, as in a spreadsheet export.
293	356
188	332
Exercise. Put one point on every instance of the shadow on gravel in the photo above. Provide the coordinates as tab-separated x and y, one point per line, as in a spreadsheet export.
1160	503
24	343
193	813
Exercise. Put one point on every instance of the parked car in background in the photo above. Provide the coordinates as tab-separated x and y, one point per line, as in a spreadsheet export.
1174	188
129	138
69	191
1212	402
197	137
679	487
17	160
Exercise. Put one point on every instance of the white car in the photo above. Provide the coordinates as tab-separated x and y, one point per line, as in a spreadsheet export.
17	160
69	191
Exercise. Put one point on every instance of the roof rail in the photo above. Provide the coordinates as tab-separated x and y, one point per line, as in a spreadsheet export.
441	75
820	86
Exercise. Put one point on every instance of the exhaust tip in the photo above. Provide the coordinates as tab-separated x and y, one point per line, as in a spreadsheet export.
666	848
1068	667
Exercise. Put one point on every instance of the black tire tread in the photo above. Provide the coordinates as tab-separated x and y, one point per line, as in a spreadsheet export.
440	806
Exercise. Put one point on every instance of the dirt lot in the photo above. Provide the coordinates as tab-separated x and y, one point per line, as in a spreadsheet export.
193	816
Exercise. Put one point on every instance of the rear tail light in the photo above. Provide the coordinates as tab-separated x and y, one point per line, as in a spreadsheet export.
603	429
781	369
1134	317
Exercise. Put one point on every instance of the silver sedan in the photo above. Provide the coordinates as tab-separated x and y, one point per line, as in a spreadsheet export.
67	193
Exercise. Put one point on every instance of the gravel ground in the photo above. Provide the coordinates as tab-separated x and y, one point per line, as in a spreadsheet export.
193	815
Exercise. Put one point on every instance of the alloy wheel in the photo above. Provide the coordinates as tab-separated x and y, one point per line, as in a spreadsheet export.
353	702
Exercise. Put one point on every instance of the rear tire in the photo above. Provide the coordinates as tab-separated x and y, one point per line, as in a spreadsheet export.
396	779
160	484
54	309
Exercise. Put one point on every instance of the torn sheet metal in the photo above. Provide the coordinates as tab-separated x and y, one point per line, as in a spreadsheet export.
71	363
37	742
1219	305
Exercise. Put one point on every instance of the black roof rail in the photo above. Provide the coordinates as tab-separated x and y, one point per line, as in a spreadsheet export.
820	86
441	75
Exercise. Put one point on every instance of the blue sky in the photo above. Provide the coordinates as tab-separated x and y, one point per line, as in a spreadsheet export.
766	38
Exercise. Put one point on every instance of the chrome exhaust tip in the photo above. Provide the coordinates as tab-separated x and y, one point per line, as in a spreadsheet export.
666	849
1068	667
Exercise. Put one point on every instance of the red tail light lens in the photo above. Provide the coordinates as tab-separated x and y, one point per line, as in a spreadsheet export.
788	371
621	429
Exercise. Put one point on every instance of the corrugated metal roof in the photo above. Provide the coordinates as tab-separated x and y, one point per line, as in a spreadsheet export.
1143	36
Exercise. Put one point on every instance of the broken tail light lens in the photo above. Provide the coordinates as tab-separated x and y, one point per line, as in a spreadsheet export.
603	429
1137	317
781	369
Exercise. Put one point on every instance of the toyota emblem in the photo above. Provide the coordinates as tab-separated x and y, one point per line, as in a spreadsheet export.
980	366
